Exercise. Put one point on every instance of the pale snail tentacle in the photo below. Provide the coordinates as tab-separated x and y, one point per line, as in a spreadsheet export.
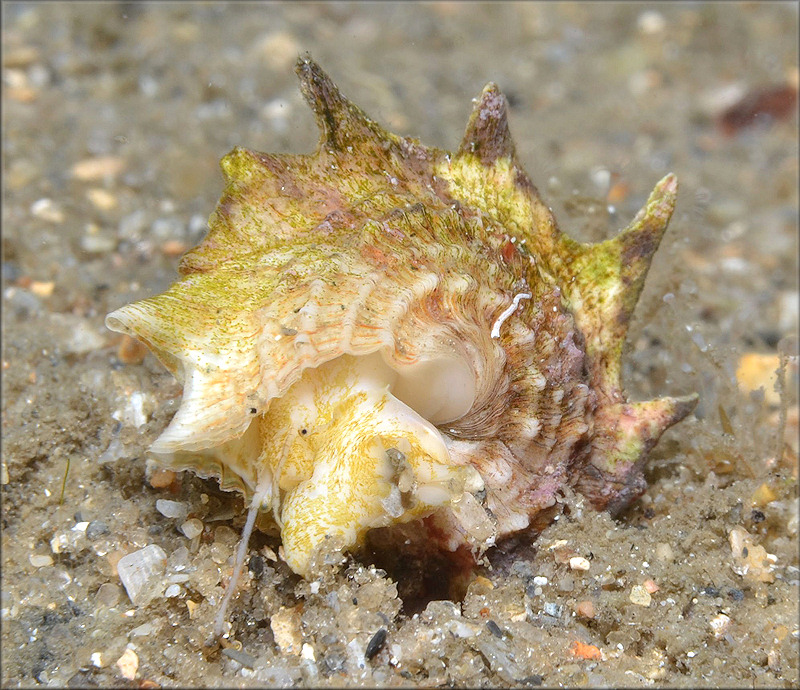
261	498
276	481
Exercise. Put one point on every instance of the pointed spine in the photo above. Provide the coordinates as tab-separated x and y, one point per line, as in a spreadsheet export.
603	282
624	435
637	244
342	123
487	135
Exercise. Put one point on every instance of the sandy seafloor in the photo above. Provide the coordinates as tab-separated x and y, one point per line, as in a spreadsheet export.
114	118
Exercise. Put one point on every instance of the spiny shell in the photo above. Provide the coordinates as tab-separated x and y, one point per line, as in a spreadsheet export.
384	332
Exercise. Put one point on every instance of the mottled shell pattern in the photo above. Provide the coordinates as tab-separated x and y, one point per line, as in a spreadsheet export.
384	332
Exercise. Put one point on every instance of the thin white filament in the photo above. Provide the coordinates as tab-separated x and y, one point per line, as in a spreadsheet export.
508	312
264	489
276	481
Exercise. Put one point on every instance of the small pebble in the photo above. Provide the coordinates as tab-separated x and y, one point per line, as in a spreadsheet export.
534	680
482	582
38	561
285	625
755	371
278	49
92	169
95	529
166	228
132	225
97	243
460	628
552	609
618	192
145	630
579	563
664	552
650	586
335	661
47	209
140	571
751	560
640	596
161	479
768	104
226	536
192	608
108	595
60	543
565	584
493	628
651	22
23	94
376	643
42	289
179	578
192	528
585	609
20	57
256	565
128	664
172	509
586	651
239	656
219	552
720	624
101	199
114	558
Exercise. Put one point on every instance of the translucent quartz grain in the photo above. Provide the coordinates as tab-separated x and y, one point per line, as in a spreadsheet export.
141	573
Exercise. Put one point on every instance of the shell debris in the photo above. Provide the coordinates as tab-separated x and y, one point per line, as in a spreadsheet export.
285	625
128	664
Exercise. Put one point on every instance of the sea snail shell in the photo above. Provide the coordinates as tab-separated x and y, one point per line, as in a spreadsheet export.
383	332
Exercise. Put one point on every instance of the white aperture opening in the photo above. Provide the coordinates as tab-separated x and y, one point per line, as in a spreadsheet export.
440	390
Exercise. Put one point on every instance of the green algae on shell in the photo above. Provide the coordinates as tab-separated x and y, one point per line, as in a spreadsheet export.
383	333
